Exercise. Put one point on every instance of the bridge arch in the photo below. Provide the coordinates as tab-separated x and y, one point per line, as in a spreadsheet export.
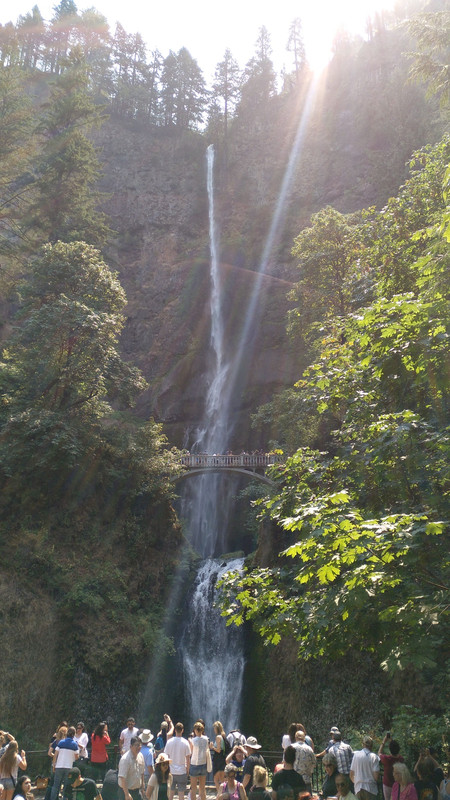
249	473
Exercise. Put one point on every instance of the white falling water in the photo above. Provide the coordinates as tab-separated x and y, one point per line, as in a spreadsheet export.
212	654
213	435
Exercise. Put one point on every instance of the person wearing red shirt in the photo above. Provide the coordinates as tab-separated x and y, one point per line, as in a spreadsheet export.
99	755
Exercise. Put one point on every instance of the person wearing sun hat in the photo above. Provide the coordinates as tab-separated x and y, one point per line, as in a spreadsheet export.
160	782
253	759
147	752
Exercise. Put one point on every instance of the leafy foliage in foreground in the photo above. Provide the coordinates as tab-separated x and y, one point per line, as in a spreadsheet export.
366	559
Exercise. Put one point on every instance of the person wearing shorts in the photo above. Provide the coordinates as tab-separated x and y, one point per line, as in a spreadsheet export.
178	750
199	755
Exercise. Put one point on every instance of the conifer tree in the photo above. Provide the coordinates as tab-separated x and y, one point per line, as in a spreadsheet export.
65	208
296	45
183	91
62	33
259	75
94	38
9	45
169	89
191	91
62	367
31	37
226	86
17	148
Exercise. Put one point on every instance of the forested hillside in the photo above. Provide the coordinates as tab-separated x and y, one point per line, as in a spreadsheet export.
105	325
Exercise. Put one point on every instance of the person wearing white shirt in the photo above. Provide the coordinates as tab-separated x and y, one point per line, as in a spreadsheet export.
365	770
126	735
179	751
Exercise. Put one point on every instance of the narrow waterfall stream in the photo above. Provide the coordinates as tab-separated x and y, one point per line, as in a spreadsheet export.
212	654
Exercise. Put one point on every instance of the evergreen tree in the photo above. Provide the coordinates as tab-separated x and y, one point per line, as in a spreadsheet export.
169	77
94	38
191	92
296	46
61	34
259	77
9	45
66	204
154	70
17	149
183	91
62	368
226	87
31	38
132	91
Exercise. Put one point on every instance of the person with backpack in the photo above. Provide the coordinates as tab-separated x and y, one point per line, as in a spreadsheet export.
254	759
220	749
236	737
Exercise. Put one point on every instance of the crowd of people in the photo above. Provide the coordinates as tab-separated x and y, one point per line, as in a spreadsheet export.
159	769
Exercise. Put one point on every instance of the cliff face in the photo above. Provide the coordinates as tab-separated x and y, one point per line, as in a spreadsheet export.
158	205
155	180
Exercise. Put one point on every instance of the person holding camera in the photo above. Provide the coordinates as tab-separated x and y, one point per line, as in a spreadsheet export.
388	762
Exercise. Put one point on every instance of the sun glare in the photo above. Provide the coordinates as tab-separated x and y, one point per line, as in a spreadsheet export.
236	25
324	20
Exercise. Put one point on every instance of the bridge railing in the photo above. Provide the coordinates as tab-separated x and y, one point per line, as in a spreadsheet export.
204	460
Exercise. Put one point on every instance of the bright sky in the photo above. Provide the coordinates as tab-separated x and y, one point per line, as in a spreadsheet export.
207	28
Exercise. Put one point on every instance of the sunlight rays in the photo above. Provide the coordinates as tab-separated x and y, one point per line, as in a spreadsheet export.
274	234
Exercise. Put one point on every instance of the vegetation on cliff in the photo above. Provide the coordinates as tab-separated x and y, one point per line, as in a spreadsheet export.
365	556
85	493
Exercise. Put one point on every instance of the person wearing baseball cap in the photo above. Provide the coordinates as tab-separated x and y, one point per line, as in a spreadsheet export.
331	742
79	788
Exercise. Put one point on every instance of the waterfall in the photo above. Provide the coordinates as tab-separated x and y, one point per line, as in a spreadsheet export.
214	433
212	654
